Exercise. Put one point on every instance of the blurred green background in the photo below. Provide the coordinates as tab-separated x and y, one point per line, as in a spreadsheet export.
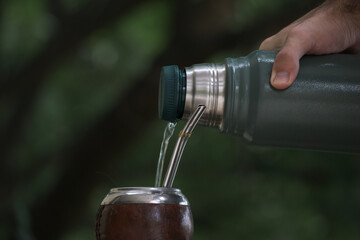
78	116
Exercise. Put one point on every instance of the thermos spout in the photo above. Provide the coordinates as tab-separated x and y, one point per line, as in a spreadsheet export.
181	92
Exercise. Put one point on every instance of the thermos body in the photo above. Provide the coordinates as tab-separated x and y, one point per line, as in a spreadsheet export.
321	110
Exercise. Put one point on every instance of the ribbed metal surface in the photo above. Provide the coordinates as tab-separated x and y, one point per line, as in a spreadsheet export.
205	85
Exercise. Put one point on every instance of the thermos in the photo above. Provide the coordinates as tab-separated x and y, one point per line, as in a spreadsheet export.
144	213
320	110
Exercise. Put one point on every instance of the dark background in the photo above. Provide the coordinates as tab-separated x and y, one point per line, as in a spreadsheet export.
78	116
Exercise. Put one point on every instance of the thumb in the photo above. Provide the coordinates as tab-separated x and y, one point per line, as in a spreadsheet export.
285	70
286	64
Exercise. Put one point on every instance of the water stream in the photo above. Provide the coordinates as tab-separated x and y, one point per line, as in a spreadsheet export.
169	130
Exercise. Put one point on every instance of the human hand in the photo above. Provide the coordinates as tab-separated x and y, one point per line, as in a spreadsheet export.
332	27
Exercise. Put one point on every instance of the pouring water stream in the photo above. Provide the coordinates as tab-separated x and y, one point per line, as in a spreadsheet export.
169	130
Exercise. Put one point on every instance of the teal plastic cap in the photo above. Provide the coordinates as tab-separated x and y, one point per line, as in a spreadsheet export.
172	92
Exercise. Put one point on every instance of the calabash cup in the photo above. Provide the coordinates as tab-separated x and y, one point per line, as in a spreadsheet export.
144	213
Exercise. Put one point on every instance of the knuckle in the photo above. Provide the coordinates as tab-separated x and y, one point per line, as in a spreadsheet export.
266	43
274	42
301	34
296	32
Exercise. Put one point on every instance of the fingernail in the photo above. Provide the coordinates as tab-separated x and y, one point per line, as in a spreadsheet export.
281	78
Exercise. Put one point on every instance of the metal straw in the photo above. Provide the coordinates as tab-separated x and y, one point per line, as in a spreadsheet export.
180	145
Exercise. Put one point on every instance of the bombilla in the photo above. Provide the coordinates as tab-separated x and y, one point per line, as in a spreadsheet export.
180	145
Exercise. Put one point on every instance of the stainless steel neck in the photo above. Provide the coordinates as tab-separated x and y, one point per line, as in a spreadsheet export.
205	85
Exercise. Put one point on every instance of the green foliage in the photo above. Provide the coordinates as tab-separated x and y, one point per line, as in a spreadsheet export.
25	27
86	86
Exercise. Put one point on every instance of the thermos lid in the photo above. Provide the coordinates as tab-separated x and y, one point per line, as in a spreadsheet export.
172	92
152	195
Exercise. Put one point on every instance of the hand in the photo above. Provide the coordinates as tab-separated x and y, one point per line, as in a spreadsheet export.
333	27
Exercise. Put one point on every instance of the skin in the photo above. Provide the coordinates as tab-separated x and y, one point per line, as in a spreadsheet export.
333	27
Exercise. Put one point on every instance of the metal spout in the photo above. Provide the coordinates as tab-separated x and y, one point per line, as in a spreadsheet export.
180	145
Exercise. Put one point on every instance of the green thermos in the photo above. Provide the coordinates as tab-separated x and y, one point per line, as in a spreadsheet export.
321	110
